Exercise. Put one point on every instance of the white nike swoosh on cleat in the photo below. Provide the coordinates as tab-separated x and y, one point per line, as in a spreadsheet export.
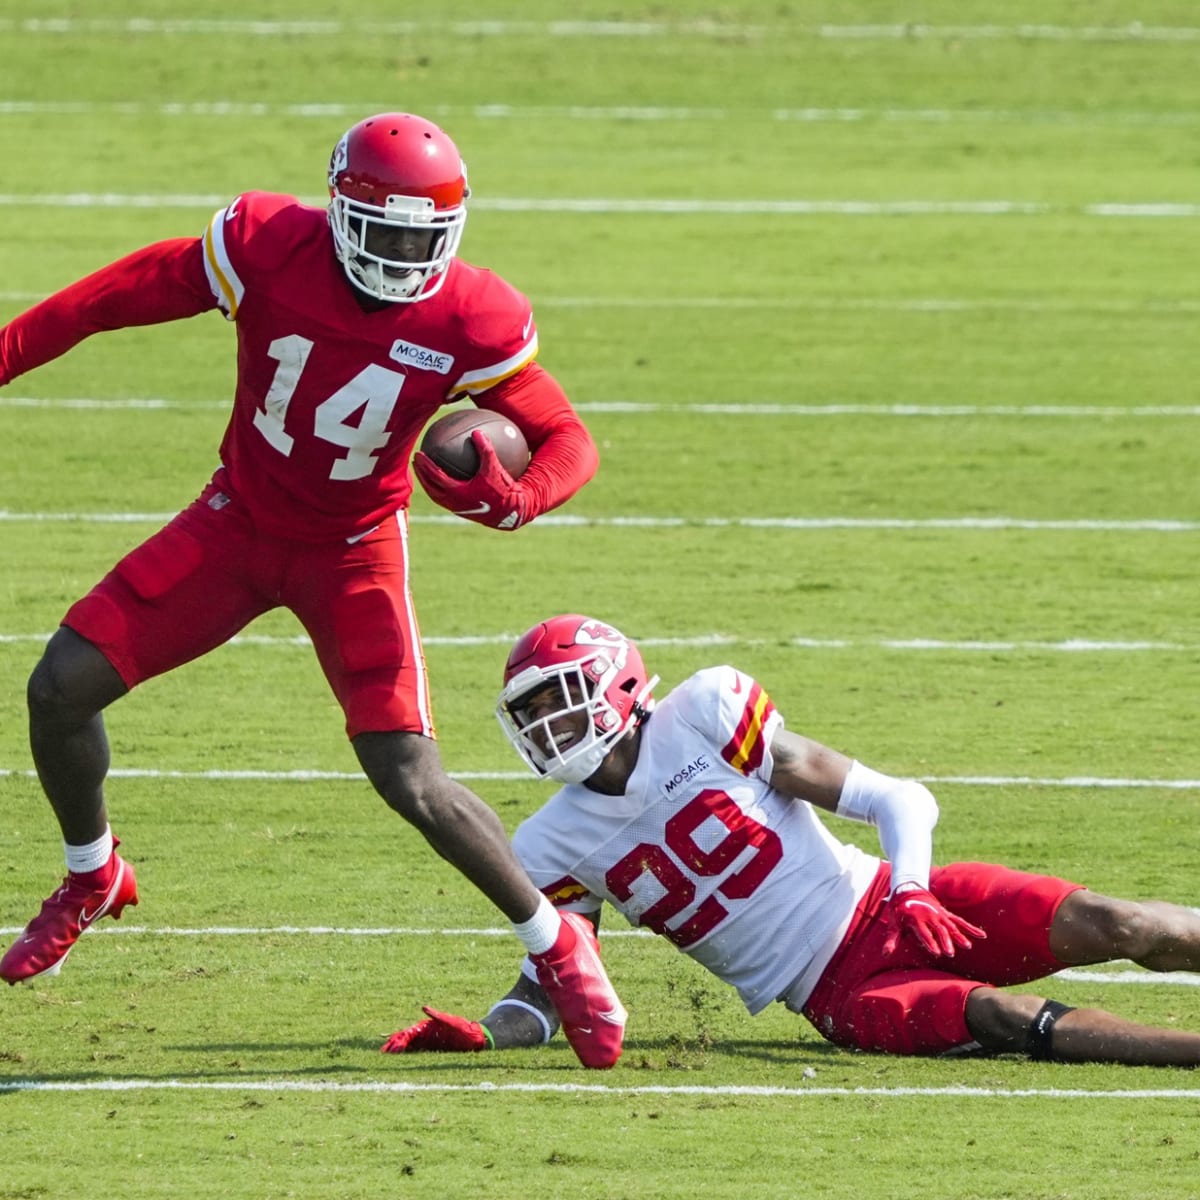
85	918
482	509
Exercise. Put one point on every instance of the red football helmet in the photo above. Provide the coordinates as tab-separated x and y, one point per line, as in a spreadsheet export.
597	671
396	171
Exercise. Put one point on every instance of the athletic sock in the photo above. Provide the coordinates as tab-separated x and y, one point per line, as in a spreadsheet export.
540	932
92	864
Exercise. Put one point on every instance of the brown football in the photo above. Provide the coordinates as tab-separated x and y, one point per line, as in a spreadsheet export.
448	442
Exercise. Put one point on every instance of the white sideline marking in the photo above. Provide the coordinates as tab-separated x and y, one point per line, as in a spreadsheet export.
668	207
1071	974
553	521
307	776
1181	978
645	408
1066	646
243	110
796	1093
1134	31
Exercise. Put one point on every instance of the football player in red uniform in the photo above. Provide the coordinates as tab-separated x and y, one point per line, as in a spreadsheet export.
354	325
695	817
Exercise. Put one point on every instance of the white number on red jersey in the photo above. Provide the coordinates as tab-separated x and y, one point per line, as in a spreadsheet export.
374	391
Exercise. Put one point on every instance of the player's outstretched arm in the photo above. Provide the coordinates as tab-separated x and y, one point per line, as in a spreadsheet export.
903	812
524	1017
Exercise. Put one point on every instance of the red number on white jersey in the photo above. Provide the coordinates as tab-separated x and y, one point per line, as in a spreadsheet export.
668	870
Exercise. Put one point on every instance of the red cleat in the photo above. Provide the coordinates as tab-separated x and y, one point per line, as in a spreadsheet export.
47	940
592	1015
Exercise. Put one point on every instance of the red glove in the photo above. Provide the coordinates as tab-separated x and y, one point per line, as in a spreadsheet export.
920	913
439	1031
491	496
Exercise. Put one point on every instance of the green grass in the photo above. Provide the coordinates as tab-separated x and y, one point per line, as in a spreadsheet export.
172	1059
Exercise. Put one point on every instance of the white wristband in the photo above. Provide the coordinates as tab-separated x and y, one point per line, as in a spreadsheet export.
537	1012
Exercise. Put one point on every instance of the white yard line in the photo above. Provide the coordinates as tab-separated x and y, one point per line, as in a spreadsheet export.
637	408
607	205
1066	646
228	109
703	27
1081	782
1114	973
321	1086
553	521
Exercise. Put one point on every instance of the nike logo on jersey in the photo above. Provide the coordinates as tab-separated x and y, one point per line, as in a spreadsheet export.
231	211
737	684
525	331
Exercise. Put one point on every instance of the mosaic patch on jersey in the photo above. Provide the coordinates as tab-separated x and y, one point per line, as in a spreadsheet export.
564	891
744	751
412	355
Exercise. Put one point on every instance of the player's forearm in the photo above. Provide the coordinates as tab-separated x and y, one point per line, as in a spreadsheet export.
903	811
561	466
564	454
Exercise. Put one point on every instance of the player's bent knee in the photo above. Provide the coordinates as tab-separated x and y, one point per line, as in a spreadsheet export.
1001	1020
72	681
1095	928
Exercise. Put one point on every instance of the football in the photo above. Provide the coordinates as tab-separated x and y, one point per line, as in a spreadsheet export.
448	442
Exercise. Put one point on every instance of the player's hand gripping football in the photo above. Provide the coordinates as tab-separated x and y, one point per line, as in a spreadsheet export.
491	496
920	913
439	1031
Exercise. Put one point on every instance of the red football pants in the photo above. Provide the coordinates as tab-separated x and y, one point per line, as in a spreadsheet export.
205	576
911	1002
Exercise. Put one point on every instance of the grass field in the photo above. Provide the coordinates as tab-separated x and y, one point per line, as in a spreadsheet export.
883	315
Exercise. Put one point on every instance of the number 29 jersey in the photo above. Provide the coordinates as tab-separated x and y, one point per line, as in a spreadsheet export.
702	850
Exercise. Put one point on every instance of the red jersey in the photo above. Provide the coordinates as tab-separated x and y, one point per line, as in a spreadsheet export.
330	398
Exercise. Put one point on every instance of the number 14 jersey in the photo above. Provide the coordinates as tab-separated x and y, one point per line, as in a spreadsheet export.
702	850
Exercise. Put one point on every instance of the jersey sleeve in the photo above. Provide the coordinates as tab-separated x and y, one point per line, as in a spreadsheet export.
563	454
735	713
499	337
161	282
543	846
249	237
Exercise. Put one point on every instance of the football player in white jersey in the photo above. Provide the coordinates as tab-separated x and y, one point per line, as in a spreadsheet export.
695	818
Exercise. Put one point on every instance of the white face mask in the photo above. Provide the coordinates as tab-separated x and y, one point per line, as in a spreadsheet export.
581	692
395	280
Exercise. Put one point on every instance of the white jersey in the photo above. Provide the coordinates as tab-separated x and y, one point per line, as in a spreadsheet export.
702	850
